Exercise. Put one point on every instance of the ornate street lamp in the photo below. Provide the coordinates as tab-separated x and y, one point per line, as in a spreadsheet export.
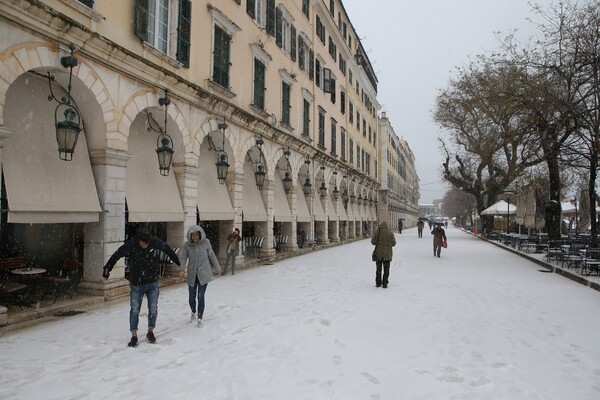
67	130
259	166
287	180
307	187
222	157
323	190
164	142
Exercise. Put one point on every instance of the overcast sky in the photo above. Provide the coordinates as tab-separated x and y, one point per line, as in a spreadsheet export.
414	46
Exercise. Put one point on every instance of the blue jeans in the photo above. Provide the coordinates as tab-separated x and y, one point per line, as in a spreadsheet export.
230	259
197	290
136	295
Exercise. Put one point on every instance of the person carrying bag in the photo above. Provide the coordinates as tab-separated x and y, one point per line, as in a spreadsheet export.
384	240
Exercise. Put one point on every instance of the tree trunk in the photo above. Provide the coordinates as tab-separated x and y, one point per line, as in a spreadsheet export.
553	210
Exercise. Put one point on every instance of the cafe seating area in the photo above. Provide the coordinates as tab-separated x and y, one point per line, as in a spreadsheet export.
25	285
573	252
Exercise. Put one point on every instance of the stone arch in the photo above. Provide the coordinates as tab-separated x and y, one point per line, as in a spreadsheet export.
28	56
211	124
135	105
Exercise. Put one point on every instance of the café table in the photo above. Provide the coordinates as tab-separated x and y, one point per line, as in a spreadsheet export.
30	276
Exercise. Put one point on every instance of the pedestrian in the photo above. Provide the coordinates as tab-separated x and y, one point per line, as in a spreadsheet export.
144	270
384	240
399	226
301	237
233	249
202	264
439	236
420	226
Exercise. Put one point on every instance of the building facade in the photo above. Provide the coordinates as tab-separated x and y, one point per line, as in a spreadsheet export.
263	114
399	183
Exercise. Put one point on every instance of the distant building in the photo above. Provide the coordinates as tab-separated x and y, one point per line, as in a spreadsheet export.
399	192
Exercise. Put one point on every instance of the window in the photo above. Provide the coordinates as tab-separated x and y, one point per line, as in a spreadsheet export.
351	148
306	118
342	64
343	102
89	3
154	24
257	9
320	30
358	155
221	57
332	49
333	136
357	120
332	7
303	53
305	8
321	127
285	103
285	32
364	128
259	84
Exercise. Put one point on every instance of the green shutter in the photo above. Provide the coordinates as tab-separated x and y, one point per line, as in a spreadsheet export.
271	17
259	84
251	8
221	58
301	53
285	103
293	42
184	32
140	25
278	27
311	64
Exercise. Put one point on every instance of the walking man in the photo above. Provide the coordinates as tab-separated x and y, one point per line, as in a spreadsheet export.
383	239
144	269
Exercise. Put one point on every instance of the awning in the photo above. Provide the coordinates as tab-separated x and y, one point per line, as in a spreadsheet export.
151	197
40	187
318	209
350	212
281	205
341	212
331	209
213	198
302	213
254	207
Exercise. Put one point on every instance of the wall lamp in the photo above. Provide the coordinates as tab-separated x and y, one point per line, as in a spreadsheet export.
287	179
335	193
323	188
222	157
67	130
307	187
259	165
164	142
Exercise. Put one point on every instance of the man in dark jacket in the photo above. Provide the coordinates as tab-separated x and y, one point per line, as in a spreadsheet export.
383	239
144	268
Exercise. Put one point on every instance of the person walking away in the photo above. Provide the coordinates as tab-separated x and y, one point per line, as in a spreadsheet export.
202	264
144	270
420	226
439	235
383	239
233	249
399	226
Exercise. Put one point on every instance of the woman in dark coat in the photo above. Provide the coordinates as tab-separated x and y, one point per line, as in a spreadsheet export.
439	235
384	240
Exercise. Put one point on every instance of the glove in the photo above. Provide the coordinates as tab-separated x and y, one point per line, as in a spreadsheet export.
105	273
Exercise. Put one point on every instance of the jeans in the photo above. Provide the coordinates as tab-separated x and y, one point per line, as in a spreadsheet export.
420	233
197	290
379	280
230	258
136	295
437	250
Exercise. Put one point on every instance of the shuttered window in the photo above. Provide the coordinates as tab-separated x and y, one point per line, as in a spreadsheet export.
184	32
259	84
221	54
285	103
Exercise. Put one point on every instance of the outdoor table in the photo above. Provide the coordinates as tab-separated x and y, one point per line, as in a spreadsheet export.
30	276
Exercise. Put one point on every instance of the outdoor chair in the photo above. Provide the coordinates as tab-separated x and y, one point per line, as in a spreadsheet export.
63	280
591	261
574	255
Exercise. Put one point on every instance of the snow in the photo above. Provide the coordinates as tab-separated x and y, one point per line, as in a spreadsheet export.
477	323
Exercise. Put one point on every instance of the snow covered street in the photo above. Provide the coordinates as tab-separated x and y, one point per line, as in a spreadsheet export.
477	323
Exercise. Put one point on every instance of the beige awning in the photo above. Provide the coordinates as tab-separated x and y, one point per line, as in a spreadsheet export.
151	197
213	199
302	213
254	206
281	205
40	187
341	212
318	209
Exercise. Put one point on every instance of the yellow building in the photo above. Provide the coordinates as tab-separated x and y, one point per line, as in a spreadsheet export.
279	98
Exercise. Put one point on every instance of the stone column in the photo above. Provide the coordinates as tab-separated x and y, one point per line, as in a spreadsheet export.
102	238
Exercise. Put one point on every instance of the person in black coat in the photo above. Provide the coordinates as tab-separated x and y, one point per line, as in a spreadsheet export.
144	270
